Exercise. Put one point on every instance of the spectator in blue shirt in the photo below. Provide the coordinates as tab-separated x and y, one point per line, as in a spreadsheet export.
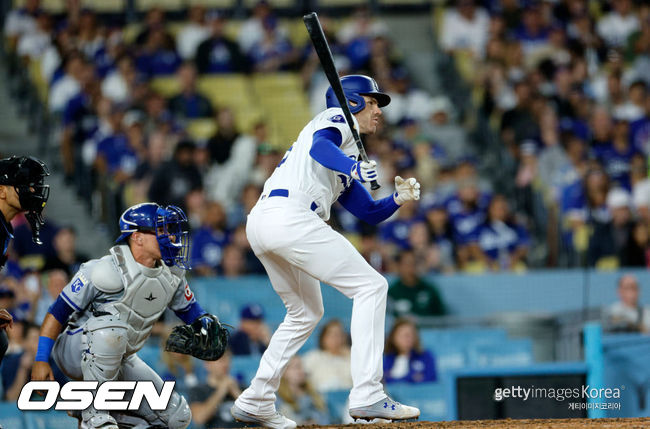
189	103
583	202
504	243
397	231
617	156
116	158
640	131
274	52
467	212
158	56
253	335
218	53
440	235
404	358
533	32
209	241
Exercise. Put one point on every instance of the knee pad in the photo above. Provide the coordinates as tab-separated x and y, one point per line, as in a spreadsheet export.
106	340
178	414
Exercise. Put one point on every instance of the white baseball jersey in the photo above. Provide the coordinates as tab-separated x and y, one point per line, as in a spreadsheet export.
298	171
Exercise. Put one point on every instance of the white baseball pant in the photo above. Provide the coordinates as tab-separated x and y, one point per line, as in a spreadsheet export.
298	249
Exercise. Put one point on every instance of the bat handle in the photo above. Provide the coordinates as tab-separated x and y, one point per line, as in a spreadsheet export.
374	185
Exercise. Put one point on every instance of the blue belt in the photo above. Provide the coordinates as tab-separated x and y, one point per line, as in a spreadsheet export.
285	193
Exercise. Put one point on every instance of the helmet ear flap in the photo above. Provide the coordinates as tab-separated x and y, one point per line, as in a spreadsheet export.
359	102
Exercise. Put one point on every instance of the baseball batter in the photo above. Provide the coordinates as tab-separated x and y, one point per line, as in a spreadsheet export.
288	233
110	306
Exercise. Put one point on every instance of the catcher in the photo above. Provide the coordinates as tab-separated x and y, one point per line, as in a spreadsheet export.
110	306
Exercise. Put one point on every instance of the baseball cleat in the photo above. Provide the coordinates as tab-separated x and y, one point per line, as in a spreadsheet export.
275	421
385	409
100	421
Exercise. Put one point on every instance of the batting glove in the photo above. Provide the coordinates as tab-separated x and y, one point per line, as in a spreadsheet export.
364	171
406	190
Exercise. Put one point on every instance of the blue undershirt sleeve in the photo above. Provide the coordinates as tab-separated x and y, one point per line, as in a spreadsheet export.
325	150
61	310
358	201
189	314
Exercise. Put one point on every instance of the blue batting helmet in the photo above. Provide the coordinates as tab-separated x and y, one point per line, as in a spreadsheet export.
169	224
354	87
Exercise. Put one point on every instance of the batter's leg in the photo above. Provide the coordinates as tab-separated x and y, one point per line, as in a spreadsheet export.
301	295
328	256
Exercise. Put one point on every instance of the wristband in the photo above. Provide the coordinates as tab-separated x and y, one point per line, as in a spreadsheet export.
45	345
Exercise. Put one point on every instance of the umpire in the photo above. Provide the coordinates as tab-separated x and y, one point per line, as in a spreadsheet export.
22	189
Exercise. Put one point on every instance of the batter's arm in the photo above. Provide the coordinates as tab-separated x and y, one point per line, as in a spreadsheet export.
325	150
357	200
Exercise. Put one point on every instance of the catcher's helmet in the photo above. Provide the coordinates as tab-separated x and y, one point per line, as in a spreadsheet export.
168	223
27	175
354	87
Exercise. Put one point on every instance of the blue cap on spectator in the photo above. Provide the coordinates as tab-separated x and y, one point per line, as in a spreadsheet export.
252	312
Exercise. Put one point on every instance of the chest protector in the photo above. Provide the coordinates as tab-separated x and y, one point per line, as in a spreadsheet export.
147	293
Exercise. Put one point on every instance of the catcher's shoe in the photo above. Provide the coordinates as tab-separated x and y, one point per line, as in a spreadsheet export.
274	421
100	421
385	409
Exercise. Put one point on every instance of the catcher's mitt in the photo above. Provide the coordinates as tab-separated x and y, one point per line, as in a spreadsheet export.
205	338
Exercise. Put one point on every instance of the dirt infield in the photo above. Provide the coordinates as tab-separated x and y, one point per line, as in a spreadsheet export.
508	424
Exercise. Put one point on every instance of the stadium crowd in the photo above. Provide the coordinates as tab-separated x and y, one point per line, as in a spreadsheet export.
565	92
564	85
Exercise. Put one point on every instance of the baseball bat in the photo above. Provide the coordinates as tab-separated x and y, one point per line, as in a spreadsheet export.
325	56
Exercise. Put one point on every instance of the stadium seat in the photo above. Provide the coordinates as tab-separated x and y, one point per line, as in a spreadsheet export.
48	420
281	97
10	416
168	5
130	32
173	28
105	6
277	84
342	3
201	129
297	32
35	75
213	4
167	86
428	397
517	352
49	6
275	4
244	367
607	263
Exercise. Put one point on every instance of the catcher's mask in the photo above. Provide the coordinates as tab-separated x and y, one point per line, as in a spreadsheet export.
27	175
168	223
